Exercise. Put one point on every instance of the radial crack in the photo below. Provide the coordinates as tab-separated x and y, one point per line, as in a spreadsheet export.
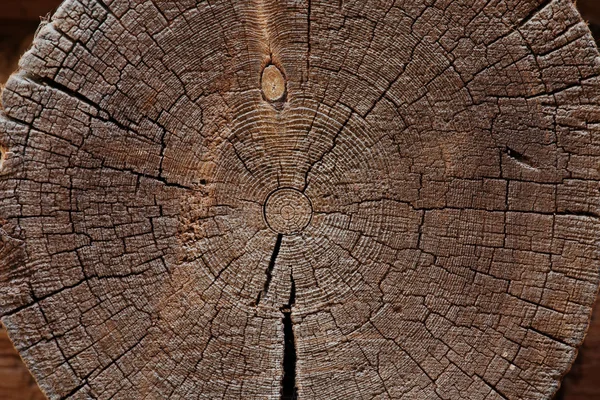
289	391
269	270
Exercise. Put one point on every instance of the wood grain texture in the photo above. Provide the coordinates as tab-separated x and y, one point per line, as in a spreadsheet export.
411	214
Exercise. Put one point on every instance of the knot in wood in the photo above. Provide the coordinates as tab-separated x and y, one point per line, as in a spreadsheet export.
288	211
273	83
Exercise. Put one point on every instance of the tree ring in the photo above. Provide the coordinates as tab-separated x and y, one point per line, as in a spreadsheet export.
288	211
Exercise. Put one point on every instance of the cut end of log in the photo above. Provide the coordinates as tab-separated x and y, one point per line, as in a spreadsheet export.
405	211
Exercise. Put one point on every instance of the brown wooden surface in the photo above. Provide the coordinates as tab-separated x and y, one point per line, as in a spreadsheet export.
18	22
583	381
362	345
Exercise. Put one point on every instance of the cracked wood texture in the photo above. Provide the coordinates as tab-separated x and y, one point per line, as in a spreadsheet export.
302	199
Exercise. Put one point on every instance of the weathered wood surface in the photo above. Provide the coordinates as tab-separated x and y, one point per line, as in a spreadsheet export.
414	214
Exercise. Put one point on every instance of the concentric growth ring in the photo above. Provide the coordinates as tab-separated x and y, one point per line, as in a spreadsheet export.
287	211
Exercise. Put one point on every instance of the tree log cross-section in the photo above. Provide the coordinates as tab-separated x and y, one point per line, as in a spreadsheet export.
302	199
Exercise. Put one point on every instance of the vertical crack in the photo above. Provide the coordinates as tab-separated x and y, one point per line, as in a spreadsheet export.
269	271
289	390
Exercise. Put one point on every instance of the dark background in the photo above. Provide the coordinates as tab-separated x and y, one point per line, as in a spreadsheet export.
19	20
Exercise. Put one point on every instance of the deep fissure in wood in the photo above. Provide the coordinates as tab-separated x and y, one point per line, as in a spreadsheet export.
289	390
269	270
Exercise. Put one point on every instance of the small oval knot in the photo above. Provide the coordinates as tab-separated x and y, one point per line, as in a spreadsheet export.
273	83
